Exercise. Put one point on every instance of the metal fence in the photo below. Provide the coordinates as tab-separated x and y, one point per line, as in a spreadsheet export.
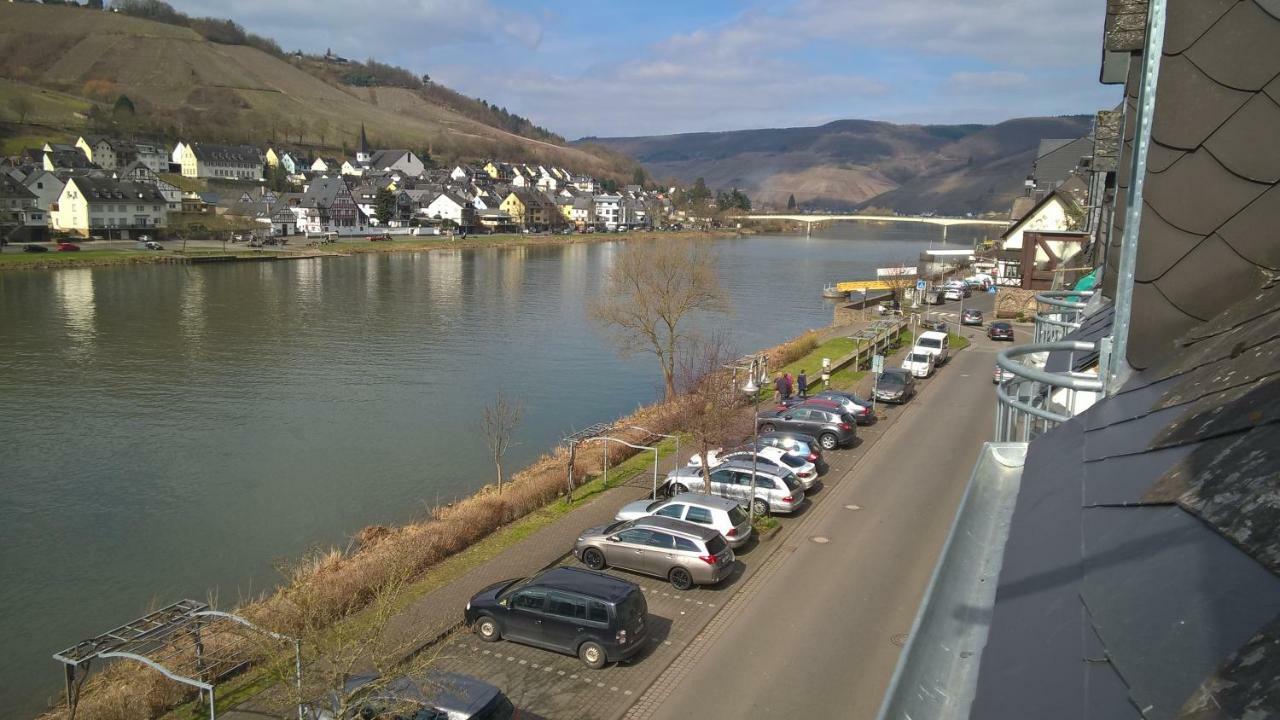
1058	312
1031	401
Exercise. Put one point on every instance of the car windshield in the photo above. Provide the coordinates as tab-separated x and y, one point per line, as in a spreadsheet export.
716	545
793	461
917	357
654	505
999	326
792	483
632	608
499	708
737	516
930	342
892	380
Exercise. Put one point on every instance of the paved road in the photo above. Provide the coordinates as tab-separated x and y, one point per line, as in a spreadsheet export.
815	632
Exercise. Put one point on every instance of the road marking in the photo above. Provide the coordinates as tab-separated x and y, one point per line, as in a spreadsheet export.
820	539
852	507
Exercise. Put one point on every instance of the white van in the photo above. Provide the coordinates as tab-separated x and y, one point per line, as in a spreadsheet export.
936	344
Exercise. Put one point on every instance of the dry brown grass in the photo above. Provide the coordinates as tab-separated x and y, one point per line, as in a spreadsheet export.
329	585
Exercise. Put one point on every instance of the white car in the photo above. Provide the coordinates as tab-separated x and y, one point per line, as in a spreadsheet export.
937	344
953	294
770	458
918	363
718	513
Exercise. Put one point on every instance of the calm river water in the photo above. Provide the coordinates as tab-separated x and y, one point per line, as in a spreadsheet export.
170	431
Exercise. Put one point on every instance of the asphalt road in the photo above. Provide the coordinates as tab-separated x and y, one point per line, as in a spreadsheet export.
817	632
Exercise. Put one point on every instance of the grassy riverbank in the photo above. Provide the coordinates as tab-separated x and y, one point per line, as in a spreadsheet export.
14	259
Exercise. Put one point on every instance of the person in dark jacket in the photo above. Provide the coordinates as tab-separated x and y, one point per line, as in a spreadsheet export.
802	384
781	386
786	393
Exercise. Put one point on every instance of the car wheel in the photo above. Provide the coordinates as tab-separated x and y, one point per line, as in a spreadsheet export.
592	655
593	559
828	441
680	578
760	507
487	628
767	427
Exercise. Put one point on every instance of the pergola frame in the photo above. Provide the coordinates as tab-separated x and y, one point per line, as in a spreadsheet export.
153	640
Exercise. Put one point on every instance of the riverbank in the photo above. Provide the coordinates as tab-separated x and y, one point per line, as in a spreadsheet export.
330	586
13	259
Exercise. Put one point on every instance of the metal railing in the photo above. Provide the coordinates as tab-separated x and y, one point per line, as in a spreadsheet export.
1058	312
1032	401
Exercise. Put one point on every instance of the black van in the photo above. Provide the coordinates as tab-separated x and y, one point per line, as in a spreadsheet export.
598	617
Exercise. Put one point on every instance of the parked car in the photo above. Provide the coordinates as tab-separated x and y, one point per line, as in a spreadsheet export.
829	425
383	237
33	248
777	459
152	245
805	446
1000	331
860	412
952	293
682	552
775	492
937	344
866	416
720	514
435	695
895	386
598	617
933	325
1000	375
971	317
68	247
918	363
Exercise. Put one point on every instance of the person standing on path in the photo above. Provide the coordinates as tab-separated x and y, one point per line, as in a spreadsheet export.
781	386
786	378
802	384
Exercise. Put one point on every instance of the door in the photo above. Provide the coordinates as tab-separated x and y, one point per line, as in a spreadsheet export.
722	483
525	616
660	559
565	624
631	549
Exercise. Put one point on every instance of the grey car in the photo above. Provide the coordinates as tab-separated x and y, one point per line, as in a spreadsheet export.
437	694
829	425
684	553
720	514
775	492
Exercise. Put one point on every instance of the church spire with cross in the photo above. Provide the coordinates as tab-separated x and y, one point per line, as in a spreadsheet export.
363	153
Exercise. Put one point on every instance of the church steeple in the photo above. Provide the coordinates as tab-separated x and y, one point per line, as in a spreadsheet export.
363	153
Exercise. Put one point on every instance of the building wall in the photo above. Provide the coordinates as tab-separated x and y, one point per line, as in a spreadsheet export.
1052	216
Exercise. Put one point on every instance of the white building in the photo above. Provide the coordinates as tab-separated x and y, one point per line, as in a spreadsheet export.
108	207
224	162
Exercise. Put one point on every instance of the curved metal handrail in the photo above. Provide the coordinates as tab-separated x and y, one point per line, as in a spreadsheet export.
1073	381
1057	298
1025	402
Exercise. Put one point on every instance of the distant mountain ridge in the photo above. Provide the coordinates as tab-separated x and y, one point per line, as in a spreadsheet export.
847	164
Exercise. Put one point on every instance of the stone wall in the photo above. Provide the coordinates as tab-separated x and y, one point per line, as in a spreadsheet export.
1011	302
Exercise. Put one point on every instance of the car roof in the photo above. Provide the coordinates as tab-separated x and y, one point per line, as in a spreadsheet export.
746	465
676	526
587	582
705	500
896	371
933	334
1000	323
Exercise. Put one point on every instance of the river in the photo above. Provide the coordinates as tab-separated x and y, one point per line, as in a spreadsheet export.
175	431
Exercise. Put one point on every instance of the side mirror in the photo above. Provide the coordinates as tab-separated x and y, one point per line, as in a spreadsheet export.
614	538
504	602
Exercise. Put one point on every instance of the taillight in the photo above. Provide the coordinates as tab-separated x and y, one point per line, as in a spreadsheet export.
845	426
733	532
708	559
622	637
813	457
788	498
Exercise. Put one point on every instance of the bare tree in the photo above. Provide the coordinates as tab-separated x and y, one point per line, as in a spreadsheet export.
498	421
322	128
650	293
302	127
22	107
711	408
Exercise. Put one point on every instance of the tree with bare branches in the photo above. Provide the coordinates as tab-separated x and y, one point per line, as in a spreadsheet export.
710	406
21	106
498	422
650	293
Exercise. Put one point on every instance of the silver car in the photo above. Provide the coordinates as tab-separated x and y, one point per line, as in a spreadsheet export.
684	553
776	492
721	514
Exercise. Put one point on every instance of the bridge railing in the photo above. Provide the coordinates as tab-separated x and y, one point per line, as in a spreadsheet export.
1058	312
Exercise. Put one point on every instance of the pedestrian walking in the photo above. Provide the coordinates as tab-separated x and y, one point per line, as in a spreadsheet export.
786	377
802	384
781	385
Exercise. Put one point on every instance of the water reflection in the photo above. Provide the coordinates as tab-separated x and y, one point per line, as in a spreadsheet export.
191	317
73	291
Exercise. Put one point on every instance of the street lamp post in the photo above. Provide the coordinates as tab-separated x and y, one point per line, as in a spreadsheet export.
753	388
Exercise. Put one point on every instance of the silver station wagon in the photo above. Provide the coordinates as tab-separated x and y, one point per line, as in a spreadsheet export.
776	491
684	553
721	514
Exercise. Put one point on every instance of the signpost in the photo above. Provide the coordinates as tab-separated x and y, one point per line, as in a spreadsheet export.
877	367
920	288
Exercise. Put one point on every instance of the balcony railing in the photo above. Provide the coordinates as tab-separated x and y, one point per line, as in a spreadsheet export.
1058	312
1031	401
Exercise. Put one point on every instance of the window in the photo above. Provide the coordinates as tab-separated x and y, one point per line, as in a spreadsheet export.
722	476
699	515
762	482
686	545
533	600
661	541
635	536
671	511
597	611
566	606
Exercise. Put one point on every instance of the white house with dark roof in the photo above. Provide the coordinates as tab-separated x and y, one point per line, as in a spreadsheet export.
109	207
223	162
451	206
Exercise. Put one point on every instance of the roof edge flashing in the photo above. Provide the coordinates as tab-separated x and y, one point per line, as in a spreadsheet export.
937	673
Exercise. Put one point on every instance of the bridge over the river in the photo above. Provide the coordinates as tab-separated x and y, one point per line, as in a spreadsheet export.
943	221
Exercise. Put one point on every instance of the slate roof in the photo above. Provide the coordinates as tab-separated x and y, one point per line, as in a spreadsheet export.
386	158
242	154
11	188
322	192
1057	158
1211	197
104	189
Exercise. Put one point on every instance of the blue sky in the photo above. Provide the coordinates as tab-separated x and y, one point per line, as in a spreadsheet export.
663	66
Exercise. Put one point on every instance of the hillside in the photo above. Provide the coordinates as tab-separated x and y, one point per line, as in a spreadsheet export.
70	65
851	163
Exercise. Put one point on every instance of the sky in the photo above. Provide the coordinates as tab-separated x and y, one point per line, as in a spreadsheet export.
612	68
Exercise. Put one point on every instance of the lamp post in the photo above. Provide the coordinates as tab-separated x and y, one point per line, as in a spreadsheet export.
751	387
